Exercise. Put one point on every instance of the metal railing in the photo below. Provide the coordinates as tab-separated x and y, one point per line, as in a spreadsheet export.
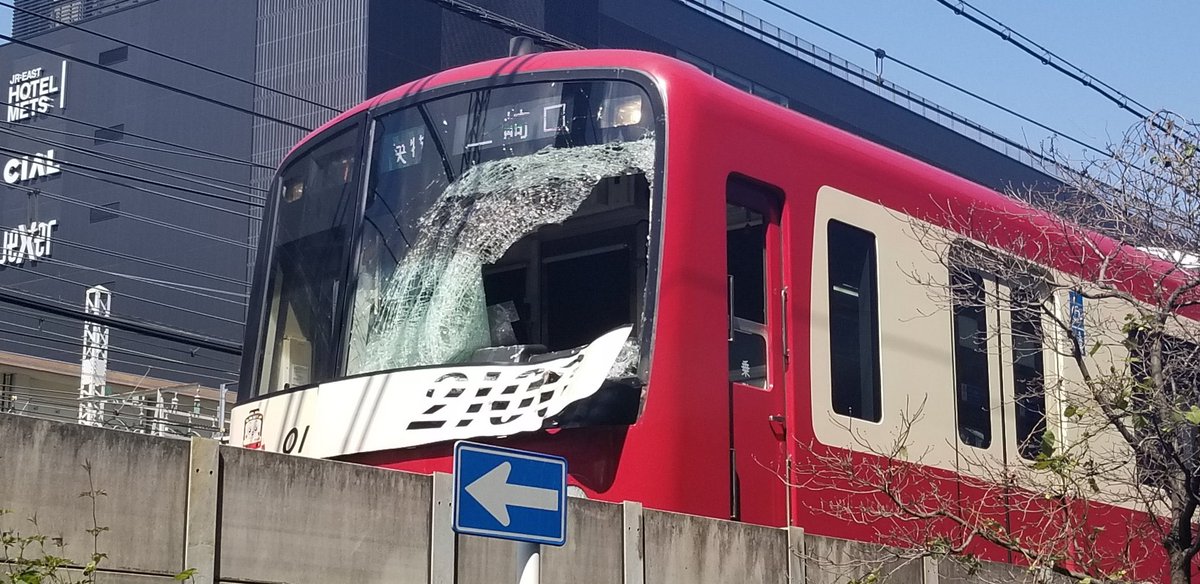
168	412
868	80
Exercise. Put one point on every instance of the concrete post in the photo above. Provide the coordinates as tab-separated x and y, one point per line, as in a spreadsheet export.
443	542
633	543
200	536
930	568
797	555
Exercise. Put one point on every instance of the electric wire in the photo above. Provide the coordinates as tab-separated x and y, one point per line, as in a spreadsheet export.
184	175
56	307
147	148
134	297
173	58
199	152
1048	57
883	55
153	83
176	286
150	262
45	320
134	216
50	336
88	170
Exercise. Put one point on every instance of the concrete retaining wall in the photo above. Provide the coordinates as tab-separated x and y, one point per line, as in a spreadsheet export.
247	517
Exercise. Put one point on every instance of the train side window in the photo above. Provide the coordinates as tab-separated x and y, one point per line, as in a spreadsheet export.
1179	377
854	322
971	358
745	240
1028	371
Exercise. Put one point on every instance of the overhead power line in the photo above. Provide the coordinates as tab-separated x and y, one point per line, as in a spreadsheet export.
52	337
75	168
1047	57
201	291
854	71
134	216
168	57
57	321
180	174
150	262
148	149
881	54
196	151
153	83
158	331
133	297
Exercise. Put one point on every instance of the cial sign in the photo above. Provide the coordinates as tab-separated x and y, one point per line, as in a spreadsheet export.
26	243
28	168
510	494
36	91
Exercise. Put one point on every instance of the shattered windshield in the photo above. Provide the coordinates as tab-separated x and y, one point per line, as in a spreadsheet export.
503	225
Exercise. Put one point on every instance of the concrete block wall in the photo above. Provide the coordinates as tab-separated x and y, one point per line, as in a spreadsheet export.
247	517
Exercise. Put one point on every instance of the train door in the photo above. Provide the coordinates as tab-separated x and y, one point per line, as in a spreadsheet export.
1000	389
1023	368
757	305
978	379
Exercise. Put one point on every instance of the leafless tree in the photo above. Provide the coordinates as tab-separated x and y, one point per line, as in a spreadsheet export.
1123	430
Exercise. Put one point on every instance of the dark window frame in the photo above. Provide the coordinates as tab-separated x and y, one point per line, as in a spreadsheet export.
856	388
972	371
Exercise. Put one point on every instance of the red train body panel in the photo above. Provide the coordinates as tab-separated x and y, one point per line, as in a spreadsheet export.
677	456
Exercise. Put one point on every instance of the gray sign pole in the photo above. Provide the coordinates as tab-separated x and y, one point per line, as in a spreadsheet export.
529	563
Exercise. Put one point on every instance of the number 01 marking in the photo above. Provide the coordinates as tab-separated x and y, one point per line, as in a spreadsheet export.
294	435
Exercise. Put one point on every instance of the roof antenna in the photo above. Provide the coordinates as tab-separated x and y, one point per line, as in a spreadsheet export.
520	45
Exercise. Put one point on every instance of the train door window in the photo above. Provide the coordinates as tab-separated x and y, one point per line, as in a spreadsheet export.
1029	386
971	378
745	239
854	322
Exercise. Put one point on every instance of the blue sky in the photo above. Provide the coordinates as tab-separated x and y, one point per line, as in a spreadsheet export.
1141	48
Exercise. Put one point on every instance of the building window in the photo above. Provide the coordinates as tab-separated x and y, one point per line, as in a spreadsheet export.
114	56
734	79
1028	371
109	134
854	323
971	379
66	13
697	61
770	95
102	214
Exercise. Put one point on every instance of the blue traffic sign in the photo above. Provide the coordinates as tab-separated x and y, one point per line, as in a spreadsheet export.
510	494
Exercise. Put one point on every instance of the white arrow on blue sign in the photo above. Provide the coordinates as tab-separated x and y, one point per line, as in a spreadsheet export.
510	494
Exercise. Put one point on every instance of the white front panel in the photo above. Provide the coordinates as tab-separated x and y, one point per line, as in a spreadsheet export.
424	406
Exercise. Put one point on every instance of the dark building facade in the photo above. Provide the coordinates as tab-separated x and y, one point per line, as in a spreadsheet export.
155	195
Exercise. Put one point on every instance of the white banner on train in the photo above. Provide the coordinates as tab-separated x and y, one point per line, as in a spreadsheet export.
423	406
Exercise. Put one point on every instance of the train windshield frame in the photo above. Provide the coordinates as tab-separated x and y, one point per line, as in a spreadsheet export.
506	224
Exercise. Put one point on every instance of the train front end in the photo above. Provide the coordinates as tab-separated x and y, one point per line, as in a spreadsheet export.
474	261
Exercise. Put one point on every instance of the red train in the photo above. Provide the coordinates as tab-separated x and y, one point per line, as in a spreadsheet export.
689	292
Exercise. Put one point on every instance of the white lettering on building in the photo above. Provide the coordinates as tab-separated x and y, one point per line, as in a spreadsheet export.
27	168
34	92
26	243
